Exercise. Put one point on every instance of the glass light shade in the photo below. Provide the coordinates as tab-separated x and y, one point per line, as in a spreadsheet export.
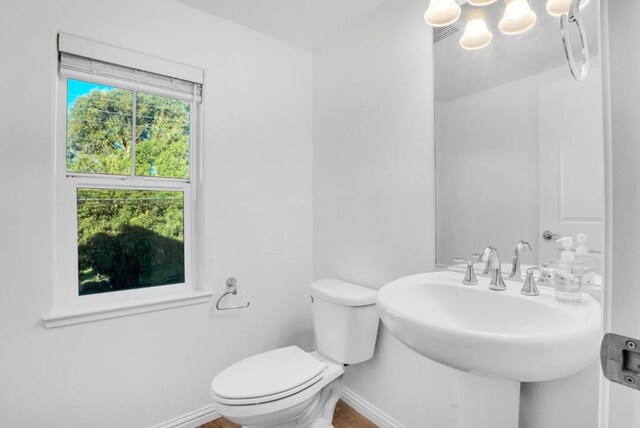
442	12
481	2
476	34
518	17
558	7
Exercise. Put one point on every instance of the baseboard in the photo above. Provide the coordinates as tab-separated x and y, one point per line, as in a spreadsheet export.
192	419
369	411
208	413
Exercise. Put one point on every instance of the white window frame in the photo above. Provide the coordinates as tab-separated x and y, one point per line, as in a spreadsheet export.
68	306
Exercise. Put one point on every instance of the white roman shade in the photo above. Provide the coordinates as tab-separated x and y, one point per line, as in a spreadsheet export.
78	55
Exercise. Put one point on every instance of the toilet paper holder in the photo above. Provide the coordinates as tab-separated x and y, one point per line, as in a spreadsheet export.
232	289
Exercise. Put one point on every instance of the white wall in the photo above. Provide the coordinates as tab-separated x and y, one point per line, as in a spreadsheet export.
374	190
373	149
625	173
255	218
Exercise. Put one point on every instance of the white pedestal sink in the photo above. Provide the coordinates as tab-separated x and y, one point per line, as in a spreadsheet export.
496	338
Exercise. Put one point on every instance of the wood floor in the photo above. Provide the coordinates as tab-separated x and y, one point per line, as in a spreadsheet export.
344	417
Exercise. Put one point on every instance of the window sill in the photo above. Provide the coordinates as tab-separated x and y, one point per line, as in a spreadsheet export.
61	319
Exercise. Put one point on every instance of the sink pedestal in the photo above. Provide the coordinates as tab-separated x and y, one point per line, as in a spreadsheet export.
484	402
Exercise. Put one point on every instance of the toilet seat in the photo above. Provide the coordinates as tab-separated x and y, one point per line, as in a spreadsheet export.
289	404
268	376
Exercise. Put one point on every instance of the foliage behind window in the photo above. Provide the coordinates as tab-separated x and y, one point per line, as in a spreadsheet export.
100	135
127	238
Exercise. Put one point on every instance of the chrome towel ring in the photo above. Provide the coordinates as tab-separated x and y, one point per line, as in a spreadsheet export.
573	17
233	289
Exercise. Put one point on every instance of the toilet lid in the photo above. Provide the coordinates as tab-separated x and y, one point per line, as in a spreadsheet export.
280	373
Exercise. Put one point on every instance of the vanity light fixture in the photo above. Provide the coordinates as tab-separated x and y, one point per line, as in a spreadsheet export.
558	7
481	2
442	13
476	34
561	7
518	17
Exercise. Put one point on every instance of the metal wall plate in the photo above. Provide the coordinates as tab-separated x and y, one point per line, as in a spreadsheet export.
620	359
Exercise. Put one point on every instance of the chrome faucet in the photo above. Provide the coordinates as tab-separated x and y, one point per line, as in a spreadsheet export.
484	257
521	247
490	255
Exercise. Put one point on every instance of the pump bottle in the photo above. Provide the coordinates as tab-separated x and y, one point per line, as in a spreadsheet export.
568	275
588	260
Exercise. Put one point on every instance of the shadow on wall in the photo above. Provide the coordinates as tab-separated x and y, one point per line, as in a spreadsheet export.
134	258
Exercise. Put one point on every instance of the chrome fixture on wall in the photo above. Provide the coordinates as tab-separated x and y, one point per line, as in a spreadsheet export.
233	290
573	17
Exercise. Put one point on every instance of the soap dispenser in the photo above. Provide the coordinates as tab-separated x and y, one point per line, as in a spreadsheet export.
568	274
581	249
588	260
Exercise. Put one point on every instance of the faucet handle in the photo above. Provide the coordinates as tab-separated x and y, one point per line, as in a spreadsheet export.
470	277
530	288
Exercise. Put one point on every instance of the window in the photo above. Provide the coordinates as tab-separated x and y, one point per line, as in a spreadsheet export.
129	239
126	150
134	237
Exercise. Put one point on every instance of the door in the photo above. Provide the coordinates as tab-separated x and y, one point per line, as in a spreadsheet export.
621	405
571	164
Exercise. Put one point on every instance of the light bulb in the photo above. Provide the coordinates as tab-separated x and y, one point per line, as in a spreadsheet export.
518	17
558	7
442	12
481	2
476	34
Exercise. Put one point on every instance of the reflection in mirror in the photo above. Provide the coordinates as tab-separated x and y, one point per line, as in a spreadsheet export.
519	142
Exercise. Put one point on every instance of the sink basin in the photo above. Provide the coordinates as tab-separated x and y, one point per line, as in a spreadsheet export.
499	334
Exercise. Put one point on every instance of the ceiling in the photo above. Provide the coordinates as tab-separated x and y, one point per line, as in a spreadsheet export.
306	23
458	72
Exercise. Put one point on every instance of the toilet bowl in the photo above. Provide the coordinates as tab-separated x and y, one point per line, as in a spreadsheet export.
278	386
288	387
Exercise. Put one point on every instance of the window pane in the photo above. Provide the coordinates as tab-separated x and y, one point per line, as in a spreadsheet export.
129	239
99	128
162	136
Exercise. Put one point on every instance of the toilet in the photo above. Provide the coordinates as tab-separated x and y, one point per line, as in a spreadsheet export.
288	387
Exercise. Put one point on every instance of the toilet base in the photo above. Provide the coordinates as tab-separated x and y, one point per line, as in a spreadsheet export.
318	411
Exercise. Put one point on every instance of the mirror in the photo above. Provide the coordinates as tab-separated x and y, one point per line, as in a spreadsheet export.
519	142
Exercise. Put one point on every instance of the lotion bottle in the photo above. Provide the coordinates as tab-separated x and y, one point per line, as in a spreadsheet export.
582	255
568	275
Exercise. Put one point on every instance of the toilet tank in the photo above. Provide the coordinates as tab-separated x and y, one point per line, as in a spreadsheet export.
345	320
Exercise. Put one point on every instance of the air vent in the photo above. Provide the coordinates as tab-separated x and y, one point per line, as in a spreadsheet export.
441	33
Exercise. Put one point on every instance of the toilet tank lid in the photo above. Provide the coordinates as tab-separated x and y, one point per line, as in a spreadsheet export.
343	293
